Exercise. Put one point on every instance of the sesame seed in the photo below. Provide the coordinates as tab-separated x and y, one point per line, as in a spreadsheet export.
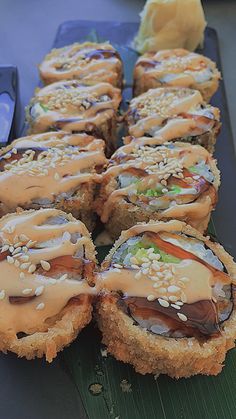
14	150
173	298
179	303
45	265
11	248
24	258
4	248
27	291
135	267
162	290
7	156
175	306
138	275
163	303
64	277
184	279
157	285
17	263
182	317
2	294
145	265
57	176
40	306
17	250
25	265
173	288
22	275
10	260
150	297
31	243
39	290
117	265
32	268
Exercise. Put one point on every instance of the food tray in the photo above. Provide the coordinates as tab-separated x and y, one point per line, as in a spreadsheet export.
62	390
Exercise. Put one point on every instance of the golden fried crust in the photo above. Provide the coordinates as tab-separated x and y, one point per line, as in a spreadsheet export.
154	354
150	353
72	319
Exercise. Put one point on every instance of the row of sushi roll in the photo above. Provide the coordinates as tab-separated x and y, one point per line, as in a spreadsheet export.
164	295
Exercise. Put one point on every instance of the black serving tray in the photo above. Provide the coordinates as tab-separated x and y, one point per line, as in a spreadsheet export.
36	390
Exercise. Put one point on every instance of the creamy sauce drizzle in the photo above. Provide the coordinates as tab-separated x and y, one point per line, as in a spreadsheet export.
90	62
171	105
70	115
26	317
186	155
65	165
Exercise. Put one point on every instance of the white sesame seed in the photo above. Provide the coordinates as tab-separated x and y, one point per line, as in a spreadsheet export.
4	248
39	290
10	260
175	306
14	150
162	290
32	268
151	297
27	291
57	176
25	265
173	288
40	306
135	267
182	317
138	275
117	265
22	275
184	279
157	285
17	250
24	258
25	249
31	243
146	264
7	156
45	265
2	294
64	277
173	298
145	259
17	263
11	248
179	303
163	303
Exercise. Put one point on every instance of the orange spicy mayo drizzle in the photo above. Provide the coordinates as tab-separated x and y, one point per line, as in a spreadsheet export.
55	163
49	295
89	62
178	107
134	157
73	105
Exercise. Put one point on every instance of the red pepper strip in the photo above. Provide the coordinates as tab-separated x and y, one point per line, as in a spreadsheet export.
180	253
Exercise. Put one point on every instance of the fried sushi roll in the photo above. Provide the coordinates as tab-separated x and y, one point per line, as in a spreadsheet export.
168	298
47	263
90	63
176	68
172	180
52	170
174	114
74	107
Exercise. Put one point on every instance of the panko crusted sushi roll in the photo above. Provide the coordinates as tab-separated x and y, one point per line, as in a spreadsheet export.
176	68
54	169
174	114
74	107
172	180
47	265
168	298
88	62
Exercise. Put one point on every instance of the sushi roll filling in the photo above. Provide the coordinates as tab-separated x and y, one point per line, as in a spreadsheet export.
157	258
